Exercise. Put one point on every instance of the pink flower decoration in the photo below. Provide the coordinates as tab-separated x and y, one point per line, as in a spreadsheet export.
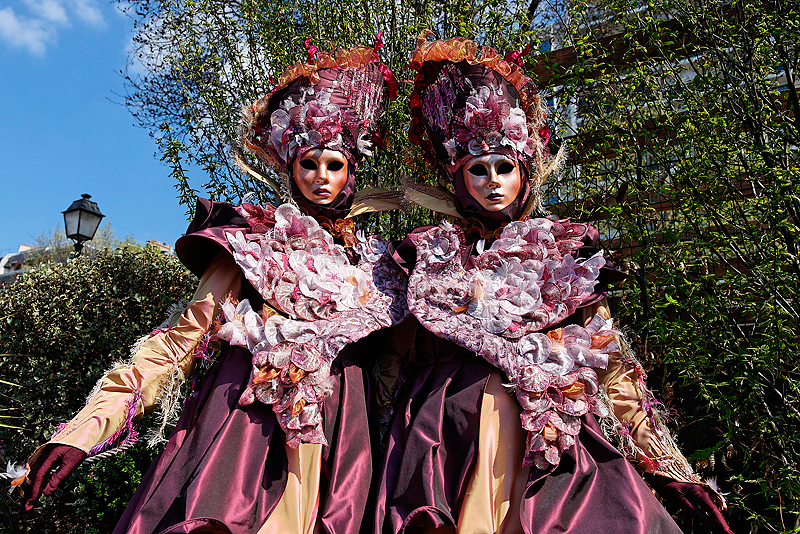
490	123
500	308
320	301
516	132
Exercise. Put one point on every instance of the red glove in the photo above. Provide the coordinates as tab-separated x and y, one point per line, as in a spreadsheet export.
693	498
63	458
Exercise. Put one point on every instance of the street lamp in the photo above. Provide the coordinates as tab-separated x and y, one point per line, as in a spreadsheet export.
81	220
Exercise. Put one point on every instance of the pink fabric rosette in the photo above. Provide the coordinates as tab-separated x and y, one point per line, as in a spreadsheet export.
318	301
524	283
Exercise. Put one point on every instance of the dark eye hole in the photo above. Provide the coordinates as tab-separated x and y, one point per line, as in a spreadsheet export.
308	164
335	166
478	170
505	168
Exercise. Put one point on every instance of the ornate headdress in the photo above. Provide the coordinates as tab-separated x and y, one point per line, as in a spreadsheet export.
331	102
469	101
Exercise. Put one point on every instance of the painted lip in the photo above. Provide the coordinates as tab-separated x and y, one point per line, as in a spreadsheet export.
494	196
321	192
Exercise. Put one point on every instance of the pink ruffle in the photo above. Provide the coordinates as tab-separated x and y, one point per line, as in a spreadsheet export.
318	301
524	283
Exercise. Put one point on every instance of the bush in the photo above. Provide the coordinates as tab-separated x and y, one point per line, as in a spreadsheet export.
61	327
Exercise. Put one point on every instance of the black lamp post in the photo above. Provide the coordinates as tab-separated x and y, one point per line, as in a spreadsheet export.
81	220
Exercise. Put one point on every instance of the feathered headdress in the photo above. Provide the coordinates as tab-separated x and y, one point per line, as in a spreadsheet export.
331	102
469	101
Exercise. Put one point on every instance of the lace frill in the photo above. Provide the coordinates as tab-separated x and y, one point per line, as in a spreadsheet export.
318	302
524	283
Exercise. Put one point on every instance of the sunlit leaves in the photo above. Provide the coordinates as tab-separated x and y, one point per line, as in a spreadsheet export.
685	147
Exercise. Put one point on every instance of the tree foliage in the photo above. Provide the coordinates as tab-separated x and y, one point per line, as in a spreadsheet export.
52	244
685	129
202	60
61	327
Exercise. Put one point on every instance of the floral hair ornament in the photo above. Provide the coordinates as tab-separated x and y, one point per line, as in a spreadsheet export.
329	101
469	101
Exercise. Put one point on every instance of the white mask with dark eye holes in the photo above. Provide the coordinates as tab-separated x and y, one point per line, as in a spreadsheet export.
320	174
493	180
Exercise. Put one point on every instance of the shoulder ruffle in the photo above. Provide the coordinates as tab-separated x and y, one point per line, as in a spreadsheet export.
499	306
205	236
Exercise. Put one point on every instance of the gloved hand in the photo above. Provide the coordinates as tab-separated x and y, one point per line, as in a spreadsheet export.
693	498
63	458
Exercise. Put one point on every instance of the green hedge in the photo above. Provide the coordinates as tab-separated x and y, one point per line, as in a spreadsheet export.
61	327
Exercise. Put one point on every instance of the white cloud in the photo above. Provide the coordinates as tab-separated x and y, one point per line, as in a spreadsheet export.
38	28
22	32
48	10
88	12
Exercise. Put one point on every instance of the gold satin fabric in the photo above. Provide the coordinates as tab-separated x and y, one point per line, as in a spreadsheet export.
656	451
495	489
297	509
621	385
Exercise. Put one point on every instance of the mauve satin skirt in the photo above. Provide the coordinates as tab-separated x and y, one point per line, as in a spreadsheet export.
225	466
432	447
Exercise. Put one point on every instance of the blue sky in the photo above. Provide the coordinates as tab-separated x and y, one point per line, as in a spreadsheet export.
61	132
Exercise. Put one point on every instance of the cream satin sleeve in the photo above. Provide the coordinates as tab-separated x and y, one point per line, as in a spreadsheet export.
132	389
634	420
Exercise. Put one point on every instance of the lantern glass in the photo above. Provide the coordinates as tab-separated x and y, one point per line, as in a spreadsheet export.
82	219
72	220
88	224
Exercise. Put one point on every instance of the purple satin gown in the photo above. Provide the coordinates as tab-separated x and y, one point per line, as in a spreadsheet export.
432	446
224	467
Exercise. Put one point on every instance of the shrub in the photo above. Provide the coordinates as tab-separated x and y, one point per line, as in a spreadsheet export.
61	327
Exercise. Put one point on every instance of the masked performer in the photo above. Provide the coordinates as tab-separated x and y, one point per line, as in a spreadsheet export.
276	437
495	425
